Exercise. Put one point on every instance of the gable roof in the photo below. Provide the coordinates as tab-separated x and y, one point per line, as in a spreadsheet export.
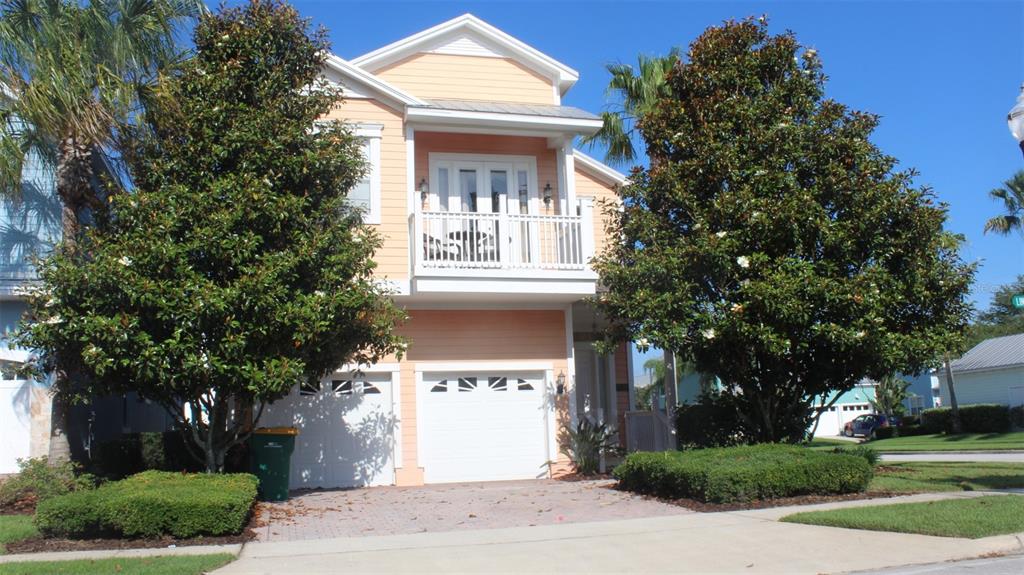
371	82
474	34
599	169
994	353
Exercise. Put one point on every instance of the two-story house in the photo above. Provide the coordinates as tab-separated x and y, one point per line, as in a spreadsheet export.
490	218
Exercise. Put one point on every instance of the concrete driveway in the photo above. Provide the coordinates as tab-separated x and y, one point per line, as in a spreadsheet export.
450	507
731	542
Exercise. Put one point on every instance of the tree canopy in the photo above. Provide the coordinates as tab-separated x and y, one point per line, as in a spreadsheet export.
1001	318
238	269
771	242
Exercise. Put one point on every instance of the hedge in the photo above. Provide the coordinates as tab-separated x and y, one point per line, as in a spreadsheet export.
976	418
151	504
738	474
1017	416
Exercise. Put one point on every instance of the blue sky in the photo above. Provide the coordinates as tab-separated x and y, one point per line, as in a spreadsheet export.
942	75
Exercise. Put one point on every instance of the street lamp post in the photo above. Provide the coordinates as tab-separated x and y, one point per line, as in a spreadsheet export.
1015	119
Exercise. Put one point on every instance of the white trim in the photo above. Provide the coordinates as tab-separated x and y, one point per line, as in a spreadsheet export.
537	285
396	411
599	169
550	419
464	366
367	130
389	92
465	45
418	380
468	25
373	216
410	170
570	376
427	115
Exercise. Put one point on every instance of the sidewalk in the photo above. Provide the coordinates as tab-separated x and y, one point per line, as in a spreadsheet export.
955	456
741	541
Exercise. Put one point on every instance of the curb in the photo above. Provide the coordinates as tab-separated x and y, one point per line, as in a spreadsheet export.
233	549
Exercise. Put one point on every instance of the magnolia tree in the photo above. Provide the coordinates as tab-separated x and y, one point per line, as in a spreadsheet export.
237	269
772	243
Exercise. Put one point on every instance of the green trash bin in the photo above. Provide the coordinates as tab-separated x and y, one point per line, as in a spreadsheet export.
270	451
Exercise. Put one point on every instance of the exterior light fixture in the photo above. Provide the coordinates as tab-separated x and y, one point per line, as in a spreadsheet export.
1015	119
560	383
547	195
424	190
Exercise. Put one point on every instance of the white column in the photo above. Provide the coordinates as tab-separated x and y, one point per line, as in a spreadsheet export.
570	177
411	202
570	368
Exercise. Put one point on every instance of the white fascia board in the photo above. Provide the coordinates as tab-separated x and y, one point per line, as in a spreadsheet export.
452	285
372	82
521	52
599	168
426	115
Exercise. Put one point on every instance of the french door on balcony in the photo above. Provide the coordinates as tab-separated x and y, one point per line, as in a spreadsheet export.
478	194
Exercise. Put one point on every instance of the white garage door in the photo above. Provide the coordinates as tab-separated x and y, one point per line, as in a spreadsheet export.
483	427
346	431
828	423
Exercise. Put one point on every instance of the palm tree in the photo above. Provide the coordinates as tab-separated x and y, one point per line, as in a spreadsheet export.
73	77
1012	196
636	91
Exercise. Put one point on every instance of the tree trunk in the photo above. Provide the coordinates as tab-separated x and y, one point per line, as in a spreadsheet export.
74	185
954	408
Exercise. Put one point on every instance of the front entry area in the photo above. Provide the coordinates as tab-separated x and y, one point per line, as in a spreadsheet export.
483	426
346	429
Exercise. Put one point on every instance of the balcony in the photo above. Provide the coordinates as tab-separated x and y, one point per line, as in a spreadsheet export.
505	252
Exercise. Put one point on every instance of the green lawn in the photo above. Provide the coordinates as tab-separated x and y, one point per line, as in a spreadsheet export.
971	518
946	476
940	442
824	442
15	528
166	565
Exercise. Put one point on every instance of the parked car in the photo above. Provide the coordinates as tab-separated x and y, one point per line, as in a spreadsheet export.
866	424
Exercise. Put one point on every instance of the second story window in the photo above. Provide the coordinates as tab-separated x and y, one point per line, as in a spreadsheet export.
366	194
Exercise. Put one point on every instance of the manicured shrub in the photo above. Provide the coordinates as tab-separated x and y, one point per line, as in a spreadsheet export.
985	418
151	504
37	479
912	430
745	473
884	433
867	453
1017	417
709	423
977	418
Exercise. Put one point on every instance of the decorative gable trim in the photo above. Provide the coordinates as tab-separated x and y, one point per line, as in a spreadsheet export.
483	38
465	45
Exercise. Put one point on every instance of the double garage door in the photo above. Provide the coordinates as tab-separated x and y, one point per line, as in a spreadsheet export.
472	427
346	431
483	426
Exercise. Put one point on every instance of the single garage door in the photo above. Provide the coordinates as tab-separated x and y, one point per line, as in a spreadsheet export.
483	427
346	431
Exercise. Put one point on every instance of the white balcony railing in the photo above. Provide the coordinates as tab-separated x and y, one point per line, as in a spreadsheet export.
472	240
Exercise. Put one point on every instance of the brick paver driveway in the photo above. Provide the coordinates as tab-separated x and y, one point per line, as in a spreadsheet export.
448	507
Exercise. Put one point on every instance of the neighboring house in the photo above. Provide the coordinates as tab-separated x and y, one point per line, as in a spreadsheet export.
29	224
850	404
490	219
922	393
990	372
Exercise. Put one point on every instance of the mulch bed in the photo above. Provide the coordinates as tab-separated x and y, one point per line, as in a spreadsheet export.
571	477
24	506
41	544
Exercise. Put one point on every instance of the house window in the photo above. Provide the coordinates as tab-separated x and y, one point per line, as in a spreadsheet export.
366	194
489	183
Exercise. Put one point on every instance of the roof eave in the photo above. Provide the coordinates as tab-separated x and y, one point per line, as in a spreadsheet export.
552	124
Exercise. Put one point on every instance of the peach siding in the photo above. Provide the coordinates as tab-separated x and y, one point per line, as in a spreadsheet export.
468	78
393	257
547	158
589	186
477	336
